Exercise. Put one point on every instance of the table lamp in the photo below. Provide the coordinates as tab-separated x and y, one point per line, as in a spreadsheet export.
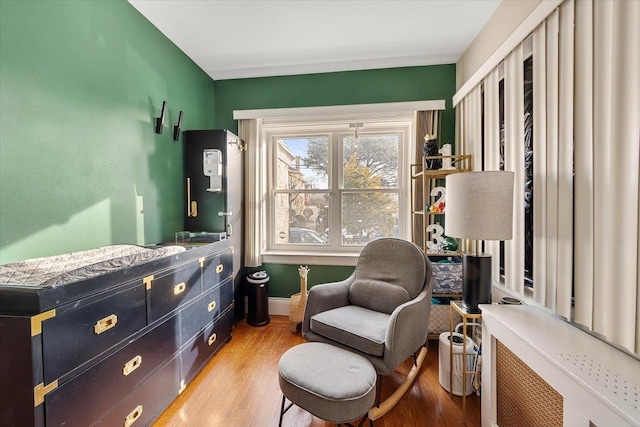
479	207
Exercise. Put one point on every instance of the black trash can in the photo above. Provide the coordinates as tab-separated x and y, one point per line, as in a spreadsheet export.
258	298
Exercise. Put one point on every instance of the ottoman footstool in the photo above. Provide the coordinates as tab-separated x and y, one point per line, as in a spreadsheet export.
333	384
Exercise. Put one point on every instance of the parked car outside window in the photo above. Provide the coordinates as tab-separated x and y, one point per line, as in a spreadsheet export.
305	235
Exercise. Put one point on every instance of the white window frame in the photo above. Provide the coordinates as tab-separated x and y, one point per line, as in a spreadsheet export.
335	253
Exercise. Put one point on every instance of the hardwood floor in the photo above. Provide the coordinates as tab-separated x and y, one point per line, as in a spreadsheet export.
239	387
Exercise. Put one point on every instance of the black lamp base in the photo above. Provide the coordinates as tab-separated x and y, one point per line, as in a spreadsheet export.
476	281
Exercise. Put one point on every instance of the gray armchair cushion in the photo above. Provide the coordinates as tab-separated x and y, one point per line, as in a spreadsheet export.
394	261
377	296
354	326
326	297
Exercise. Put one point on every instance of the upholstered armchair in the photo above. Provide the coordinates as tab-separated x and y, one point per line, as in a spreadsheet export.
380	312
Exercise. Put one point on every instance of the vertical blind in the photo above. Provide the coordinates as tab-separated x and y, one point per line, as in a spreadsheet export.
586	139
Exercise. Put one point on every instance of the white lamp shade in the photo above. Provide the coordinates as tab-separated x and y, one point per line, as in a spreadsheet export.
480	205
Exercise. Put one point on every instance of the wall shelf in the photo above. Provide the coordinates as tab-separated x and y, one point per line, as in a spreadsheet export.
424	181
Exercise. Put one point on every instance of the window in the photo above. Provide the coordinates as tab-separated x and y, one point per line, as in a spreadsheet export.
330	191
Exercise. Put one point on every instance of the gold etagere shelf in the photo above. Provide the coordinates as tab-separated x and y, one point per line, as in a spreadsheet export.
426	211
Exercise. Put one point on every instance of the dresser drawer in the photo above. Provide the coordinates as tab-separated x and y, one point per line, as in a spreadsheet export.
146	402
172	289
87	397
216	269
207	308
83	330
205	344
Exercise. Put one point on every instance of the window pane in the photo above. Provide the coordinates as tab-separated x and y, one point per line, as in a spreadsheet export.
368	216
301	218
302	163
371	161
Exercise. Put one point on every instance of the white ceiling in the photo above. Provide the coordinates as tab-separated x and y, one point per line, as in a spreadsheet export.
240	39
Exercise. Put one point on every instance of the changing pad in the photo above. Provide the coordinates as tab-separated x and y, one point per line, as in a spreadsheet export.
57	270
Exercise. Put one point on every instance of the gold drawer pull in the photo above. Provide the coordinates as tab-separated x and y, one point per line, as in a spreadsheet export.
179	288
105	324
212	339
132	365
219	269
133	416
212	305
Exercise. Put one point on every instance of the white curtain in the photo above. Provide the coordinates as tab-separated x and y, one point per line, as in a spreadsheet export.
584	150
586	68
469	131
553	91
543	289
607	153
492	151
514	161
255	188
565	161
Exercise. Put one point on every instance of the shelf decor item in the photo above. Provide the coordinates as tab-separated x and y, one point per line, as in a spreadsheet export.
429	204
437	237
445	151
479	207
439	204
430	148
449	244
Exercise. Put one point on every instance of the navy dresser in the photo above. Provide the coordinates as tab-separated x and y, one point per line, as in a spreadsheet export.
117	350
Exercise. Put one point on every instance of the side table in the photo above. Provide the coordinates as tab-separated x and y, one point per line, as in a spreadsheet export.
456	307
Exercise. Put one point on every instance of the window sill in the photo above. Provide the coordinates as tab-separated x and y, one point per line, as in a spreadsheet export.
310	258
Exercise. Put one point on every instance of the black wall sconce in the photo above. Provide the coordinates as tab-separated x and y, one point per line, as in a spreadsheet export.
176	128
160	120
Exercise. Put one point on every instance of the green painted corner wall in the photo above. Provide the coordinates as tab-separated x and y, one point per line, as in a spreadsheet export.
284	279
340	88
80	163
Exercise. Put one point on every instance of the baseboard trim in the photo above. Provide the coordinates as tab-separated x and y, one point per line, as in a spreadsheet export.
277	306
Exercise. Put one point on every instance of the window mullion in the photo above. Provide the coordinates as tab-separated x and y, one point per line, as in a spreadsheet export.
335	183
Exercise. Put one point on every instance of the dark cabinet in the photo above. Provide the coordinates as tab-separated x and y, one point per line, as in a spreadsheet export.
121	354
214	179
79	332
174	288
111	378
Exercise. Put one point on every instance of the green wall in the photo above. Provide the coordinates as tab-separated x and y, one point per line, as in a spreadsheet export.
342	88
284	279
80	163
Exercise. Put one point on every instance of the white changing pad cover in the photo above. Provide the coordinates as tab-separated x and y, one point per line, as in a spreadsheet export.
57	270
